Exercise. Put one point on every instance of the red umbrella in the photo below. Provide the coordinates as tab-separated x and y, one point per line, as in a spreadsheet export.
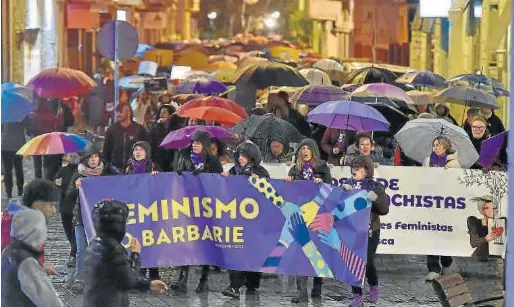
61	83
211	113
213	101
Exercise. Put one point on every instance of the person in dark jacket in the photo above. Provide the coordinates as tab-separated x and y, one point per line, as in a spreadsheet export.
13	138
494	123
278	152
288	113
166	123
24	281
90	166
478	228
309	166
248	163
62	180
110	274
141	163
363	170
196	159
121	136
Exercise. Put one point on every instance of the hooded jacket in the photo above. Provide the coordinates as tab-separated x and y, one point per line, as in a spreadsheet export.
24	281
446	115
119	141
110	274
284	157
149	167
211	165
321	169
380	205
254	166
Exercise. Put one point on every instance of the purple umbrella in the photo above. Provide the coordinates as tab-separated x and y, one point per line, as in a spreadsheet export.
491	148
348	115
181	138
318	94
201	86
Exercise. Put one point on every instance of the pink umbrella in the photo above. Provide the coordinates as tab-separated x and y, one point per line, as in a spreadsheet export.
61	83
382	90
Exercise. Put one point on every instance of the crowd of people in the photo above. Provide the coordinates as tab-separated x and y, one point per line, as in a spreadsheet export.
131	146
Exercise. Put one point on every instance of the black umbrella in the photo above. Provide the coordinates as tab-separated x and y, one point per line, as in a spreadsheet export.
268	74
371	75
394	116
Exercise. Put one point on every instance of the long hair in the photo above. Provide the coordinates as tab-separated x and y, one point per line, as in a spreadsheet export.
299	161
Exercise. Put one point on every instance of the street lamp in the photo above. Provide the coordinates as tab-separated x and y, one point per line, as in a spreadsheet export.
275	15
212	15
270	22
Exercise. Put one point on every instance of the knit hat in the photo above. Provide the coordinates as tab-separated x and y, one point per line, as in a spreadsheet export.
90	150
364	162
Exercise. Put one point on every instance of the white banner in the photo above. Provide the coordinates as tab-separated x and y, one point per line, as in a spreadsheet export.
430	207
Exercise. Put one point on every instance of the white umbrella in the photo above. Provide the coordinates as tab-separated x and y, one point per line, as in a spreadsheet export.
133	82
316	76
416	138
420	98
468	96
328	65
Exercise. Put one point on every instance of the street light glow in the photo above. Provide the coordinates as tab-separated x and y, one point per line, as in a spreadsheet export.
270	22
212	15
275	14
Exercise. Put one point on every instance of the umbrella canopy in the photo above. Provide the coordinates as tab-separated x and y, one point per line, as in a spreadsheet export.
211	113
208	87
142	49
382	90
420	98
221	65
262	128
318	94
181	138
394	116
416	138
350	87
183	98
316	76
370	75
270	74
468	96
53	143
490	149
17	102
480	79
133	82
348	115
423	79
61	83
250	60
328	65
213	101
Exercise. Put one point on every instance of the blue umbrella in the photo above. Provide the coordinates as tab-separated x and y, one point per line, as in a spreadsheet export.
483	82
422	79
142	49
202	86
17	102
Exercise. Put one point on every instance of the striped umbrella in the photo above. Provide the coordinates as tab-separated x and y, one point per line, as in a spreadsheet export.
53	143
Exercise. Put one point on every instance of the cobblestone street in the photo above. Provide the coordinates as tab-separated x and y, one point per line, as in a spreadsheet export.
401	280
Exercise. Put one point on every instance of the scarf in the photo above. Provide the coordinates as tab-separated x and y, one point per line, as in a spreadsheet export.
437	161
138	167
244	170
87	171
367	184
197	159
341	139
308	171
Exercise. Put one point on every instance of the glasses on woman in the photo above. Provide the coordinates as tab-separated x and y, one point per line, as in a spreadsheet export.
479	128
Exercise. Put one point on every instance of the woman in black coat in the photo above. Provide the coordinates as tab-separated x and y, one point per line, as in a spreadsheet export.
248	163
196	159
308	166
165	123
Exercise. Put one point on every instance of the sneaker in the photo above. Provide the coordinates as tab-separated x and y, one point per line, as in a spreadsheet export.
357	300
374	294
446	271
231	292
71	262
431	276
77	287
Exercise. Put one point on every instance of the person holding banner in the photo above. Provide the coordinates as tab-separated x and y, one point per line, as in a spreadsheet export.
196	159
248	163
309	166
443	155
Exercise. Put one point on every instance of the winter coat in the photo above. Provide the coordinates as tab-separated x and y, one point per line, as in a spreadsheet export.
446	115
284	157
387	142
318	131
66	173
50	116
13	135
477	233
452	161
321	170
110	275
162	157
254	157
297	120
494	124
329	141
119	141
24	281
95	105
377	155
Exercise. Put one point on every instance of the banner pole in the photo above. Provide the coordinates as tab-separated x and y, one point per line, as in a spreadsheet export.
509	254
116	67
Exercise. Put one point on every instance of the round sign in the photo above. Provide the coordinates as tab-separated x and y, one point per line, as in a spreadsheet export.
127	40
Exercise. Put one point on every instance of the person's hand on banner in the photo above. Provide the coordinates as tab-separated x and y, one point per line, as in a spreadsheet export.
491	236
225	174
372	196
154	173
322	222
289	179
299	230
331	238
158	286
78	183
135	246
317	180
347	187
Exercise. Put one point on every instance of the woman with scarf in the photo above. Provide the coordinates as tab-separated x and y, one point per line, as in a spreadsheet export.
91	165
196	159
363	170
140	163
309	166
248	163
442	156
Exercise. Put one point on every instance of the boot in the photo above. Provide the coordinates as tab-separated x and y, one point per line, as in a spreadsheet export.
302	296
203	286
182	282
316	288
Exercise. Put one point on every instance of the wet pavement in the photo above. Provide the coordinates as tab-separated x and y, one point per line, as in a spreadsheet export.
400	277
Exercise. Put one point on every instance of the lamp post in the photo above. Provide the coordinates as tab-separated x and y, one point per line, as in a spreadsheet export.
212	17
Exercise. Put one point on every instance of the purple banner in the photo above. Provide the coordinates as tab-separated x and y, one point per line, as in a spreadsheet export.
238	223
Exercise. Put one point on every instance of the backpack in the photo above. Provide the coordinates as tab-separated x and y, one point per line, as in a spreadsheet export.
6	233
